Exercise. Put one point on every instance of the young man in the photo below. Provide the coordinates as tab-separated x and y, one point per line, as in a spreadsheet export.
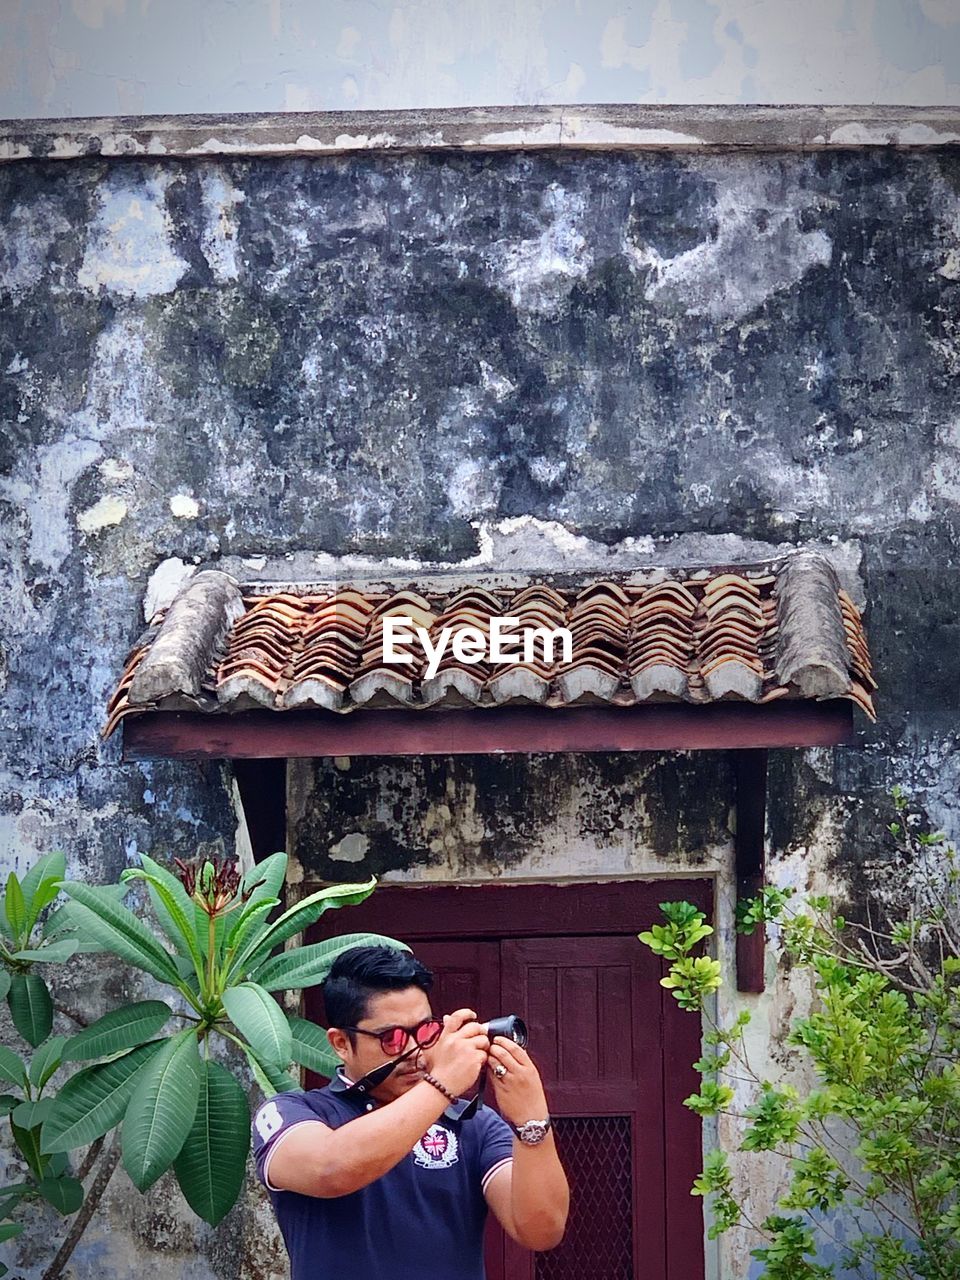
394	1184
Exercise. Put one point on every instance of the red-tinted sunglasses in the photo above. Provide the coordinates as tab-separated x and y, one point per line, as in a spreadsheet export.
393	1040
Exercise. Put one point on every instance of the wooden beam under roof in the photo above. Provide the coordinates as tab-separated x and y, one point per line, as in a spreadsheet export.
258	735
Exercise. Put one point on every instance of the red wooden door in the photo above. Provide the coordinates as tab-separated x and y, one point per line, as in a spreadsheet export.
614	1049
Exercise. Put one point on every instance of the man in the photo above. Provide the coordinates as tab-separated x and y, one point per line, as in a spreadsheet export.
394	1183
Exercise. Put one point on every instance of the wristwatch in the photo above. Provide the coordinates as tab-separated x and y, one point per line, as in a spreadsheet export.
532	1131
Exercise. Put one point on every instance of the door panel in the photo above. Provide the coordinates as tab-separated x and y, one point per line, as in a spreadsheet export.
466	975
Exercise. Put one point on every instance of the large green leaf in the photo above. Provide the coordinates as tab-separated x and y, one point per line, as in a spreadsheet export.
46	1060
263	882
39	884
169	879
64	921
250	926
161	1110
30	1007
266	876
47	890
94	1100
15	906
65	1194
4	983
306	966
174	907
117	1030
10	1229
119	930
300	917
311	1048
271	1078
50	952
210	1166
259	1018
174	919
12	1068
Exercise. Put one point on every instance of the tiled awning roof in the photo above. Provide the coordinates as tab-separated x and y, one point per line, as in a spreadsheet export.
751	633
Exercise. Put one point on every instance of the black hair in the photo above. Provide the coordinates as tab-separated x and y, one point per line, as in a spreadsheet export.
363	972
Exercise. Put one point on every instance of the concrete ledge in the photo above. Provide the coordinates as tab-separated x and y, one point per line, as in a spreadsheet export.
669	127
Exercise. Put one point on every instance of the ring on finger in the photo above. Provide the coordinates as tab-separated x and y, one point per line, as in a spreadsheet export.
499	1070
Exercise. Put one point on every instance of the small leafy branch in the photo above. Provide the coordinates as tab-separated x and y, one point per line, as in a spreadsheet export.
26	941
26	946
877	1139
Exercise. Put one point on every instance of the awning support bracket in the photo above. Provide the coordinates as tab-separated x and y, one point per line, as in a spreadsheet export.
750	773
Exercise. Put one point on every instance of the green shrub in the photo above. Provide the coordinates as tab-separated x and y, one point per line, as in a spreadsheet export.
876	1140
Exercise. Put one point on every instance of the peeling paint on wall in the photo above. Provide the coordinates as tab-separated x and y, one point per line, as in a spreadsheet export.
104	512
755	249
219	238
129	251
539	273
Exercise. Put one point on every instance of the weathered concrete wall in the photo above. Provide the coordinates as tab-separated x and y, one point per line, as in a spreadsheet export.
94	57
456	357
516	817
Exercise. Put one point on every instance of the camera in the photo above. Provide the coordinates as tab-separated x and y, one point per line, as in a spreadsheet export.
510	1026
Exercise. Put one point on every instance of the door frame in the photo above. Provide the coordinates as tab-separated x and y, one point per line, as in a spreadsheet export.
464	912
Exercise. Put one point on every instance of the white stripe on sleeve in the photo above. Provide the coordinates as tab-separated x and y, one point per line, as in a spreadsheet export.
494	1170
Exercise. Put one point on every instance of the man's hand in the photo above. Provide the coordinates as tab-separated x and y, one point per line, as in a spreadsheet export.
519	1093
461	1051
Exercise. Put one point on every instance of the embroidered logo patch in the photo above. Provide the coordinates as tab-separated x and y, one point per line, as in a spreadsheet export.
437	1149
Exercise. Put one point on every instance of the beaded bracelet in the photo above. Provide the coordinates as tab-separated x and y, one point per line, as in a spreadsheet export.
437	1085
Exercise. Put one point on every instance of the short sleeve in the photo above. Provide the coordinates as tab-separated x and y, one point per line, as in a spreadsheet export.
273	1123
496	1145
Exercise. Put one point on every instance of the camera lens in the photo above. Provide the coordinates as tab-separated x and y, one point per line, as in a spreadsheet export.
511	1027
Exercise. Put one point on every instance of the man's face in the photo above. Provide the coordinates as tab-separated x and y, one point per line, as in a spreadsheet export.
391	1008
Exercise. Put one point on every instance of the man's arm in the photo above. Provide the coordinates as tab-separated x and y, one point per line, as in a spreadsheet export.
319	1161
530	1197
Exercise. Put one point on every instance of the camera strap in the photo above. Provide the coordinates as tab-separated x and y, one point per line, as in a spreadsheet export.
465	1109
375	1078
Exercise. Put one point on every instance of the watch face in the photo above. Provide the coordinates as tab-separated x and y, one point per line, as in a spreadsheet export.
533	1131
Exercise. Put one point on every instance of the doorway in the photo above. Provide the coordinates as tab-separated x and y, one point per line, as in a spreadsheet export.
614	1049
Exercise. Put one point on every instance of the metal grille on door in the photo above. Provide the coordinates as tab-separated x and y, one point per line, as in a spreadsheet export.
595	1151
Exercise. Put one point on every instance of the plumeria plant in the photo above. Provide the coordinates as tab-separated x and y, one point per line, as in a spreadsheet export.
154	1064
876	1140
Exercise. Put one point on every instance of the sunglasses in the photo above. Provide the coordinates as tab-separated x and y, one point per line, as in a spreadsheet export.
393	1040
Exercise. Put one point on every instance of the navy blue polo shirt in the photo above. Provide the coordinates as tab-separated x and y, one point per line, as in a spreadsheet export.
422	1220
